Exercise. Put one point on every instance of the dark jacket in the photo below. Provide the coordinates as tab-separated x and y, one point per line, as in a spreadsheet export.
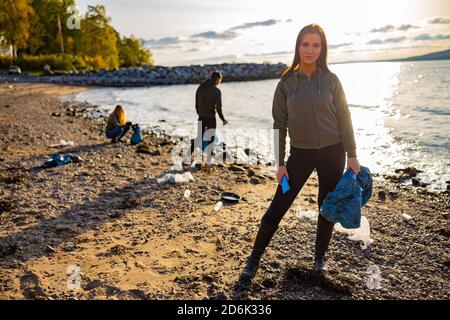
314	111
208	100
344	203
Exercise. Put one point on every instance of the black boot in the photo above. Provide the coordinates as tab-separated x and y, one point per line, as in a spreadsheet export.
320	264
323	237
265	234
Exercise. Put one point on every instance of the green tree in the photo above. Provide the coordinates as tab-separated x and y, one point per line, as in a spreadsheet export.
45	27
132	53
98	39
47	36
35	40
15	16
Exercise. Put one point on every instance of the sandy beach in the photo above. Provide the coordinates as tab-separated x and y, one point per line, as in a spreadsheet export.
133	238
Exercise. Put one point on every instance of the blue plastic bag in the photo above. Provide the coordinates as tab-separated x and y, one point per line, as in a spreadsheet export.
60	160
136	137
344	203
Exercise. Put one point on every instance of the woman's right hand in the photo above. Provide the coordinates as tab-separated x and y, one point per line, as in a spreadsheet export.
282	171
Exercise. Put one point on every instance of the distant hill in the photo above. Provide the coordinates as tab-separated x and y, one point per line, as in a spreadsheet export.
441	55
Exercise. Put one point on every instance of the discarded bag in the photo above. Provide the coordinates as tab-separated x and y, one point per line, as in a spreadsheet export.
176	178
360	234
60	160
136	136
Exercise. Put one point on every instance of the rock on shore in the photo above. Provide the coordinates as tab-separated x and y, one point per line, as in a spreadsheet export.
157	75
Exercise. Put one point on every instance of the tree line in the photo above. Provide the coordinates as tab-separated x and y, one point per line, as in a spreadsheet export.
46	28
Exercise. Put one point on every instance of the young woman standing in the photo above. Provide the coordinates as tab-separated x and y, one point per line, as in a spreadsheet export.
310	104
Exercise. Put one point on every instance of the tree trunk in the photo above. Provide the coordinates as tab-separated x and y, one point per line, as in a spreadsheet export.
60	35
14	52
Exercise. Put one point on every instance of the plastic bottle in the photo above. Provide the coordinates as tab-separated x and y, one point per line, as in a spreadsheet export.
217	206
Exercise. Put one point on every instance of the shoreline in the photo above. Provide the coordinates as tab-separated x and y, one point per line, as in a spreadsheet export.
136	239
155	75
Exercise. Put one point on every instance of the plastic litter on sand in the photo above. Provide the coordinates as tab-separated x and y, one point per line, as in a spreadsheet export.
307	215
217	206
360	234
176	178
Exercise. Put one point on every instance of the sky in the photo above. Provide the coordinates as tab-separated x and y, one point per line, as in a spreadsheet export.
183	32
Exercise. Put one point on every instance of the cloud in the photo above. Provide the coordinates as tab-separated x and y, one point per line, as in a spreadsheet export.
410	47
339	45
267	54
388	40
405	27
289	20
421	37
249	25
227	35
426	36
375	50
231	32
375	41
395	40
442	37
440	20
357	33
358	50
172	43
163	41
386	28
390	28
216	59
192	50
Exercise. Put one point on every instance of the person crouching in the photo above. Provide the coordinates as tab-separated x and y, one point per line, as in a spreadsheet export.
117	125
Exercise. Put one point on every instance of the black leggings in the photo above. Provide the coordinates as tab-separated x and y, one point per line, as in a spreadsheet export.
207	123
329	163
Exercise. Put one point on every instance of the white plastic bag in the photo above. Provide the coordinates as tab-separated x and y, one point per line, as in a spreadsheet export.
165	178
407	218
360	234
307	215
176	178
182	177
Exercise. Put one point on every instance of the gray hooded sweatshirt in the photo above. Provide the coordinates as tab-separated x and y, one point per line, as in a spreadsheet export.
314	111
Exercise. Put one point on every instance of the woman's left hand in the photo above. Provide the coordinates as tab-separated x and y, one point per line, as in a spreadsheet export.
353	164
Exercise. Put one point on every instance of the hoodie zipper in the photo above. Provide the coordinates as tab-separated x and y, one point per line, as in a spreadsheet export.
314	115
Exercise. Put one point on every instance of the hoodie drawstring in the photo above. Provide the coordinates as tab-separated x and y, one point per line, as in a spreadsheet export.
295	88
319	83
